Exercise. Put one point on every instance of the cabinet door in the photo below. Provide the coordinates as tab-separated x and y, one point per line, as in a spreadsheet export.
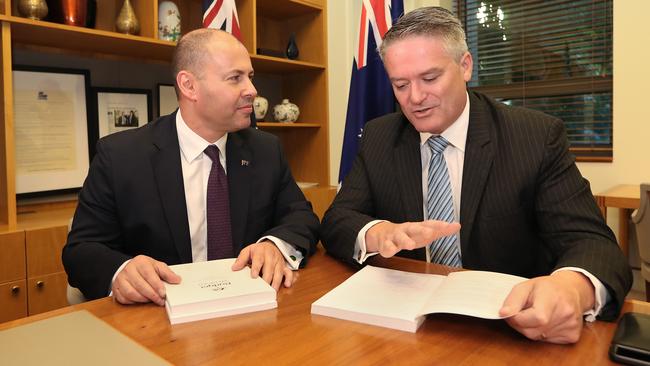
12	256
44	248
47	293
13	301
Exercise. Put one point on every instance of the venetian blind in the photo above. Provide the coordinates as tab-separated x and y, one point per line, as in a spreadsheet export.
554	56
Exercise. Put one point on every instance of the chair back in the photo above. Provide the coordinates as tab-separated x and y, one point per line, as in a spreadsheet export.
641	219
73	294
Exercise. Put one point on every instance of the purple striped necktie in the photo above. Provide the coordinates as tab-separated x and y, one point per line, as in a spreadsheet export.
218	209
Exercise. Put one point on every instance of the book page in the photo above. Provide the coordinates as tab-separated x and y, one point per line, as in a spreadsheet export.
383	292
475	293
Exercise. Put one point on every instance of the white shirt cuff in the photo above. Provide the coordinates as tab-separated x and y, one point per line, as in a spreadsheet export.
119	269
601	295
291	255
360	254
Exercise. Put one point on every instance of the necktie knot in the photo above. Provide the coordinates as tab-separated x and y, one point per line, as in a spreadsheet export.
213	153
437	144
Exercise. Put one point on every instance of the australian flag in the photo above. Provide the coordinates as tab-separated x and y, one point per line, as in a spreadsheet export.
221	14
371	94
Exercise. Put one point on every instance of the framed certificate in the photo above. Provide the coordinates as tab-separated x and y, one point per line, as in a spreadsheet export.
51	128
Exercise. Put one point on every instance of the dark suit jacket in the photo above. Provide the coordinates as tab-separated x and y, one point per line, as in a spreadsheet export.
525	208
133	202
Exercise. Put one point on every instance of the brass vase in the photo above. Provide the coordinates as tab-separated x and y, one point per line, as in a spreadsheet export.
32	9
127	22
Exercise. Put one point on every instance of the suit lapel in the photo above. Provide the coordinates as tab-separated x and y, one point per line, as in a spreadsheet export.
240	164
409	170
479	155
166	163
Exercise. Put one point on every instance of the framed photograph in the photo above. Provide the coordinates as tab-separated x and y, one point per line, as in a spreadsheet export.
167	102
119	109
51	129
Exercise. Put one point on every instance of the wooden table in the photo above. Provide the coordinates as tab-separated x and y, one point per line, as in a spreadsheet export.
291	335
626	198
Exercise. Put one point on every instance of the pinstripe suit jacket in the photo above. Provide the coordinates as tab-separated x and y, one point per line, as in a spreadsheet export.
525	208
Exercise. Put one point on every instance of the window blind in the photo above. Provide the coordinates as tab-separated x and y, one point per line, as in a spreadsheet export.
554	56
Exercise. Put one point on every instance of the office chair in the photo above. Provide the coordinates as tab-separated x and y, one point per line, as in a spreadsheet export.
641	219
73	294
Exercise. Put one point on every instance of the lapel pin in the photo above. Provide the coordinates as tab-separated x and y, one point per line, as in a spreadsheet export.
245	163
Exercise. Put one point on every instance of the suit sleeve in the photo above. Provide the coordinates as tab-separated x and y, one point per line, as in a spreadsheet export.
352	209
571	224
93	251
294	220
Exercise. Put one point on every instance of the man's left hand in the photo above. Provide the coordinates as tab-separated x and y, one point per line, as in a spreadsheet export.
266	260
550	308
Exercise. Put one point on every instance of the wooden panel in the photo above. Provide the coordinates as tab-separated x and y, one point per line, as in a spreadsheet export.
12	256
191	14
43	247
321	198
32	217
146	11
282	9
274	33
7	161
47	293
13	300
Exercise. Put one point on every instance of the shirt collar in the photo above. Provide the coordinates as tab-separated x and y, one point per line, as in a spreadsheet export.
191	144
456	133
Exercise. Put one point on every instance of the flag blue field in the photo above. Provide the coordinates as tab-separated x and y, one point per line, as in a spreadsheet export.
371	94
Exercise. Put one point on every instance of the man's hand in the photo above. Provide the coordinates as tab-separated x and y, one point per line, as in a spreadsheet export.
141	281
266	259
550	308
388	238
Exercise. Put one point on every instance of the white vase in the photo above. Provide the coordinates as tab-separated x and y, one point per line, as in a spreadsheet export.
260	106
286	111
169	21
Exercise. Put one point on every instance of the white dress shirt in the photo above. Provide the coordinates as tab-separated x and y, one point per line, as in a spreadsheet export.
454	156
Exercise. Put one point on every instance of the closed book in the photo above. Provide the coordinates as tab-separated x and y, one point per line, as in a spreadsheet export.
400	300
211	289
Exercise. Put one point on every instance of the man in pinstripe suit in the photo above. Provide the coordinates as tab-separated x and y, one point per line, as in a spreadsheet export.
522	203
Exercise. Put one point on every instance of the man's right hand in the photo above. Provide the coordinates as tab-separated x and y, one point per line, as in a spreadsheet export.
141	281
388	238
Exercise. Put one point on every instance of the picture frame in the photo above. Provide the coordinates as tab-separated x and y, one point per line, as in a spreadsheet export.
51	137
167	101
119	109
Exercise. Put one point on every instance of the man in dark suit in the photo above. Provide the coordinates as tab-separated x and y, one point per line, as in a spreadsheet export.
505	174
138	215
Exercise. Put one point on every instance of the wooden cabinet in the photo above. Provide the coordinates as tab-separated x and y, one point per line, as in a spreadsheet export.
265	24
32	279
13	292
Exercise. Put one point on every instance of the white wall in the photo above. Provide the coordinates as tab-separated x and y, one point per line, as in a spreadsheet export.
631	122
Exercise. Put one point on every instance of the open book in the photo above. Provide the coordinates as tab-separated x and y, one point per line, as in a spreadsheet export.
400	300
211	289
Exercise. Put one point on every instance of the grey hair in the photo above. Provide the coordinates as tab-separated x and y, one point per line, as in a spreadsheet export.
430	21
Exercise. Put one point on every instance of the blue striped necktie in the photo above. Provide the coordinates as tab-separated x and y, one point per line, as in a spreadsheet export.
440	205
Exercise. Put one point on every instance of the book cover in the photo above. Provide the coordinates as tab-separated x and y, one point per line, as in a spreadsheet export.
400	300
211	289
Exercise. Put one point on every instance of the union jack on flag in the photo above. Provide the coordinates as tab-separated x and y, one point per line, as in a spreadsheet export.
221	14
371	94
